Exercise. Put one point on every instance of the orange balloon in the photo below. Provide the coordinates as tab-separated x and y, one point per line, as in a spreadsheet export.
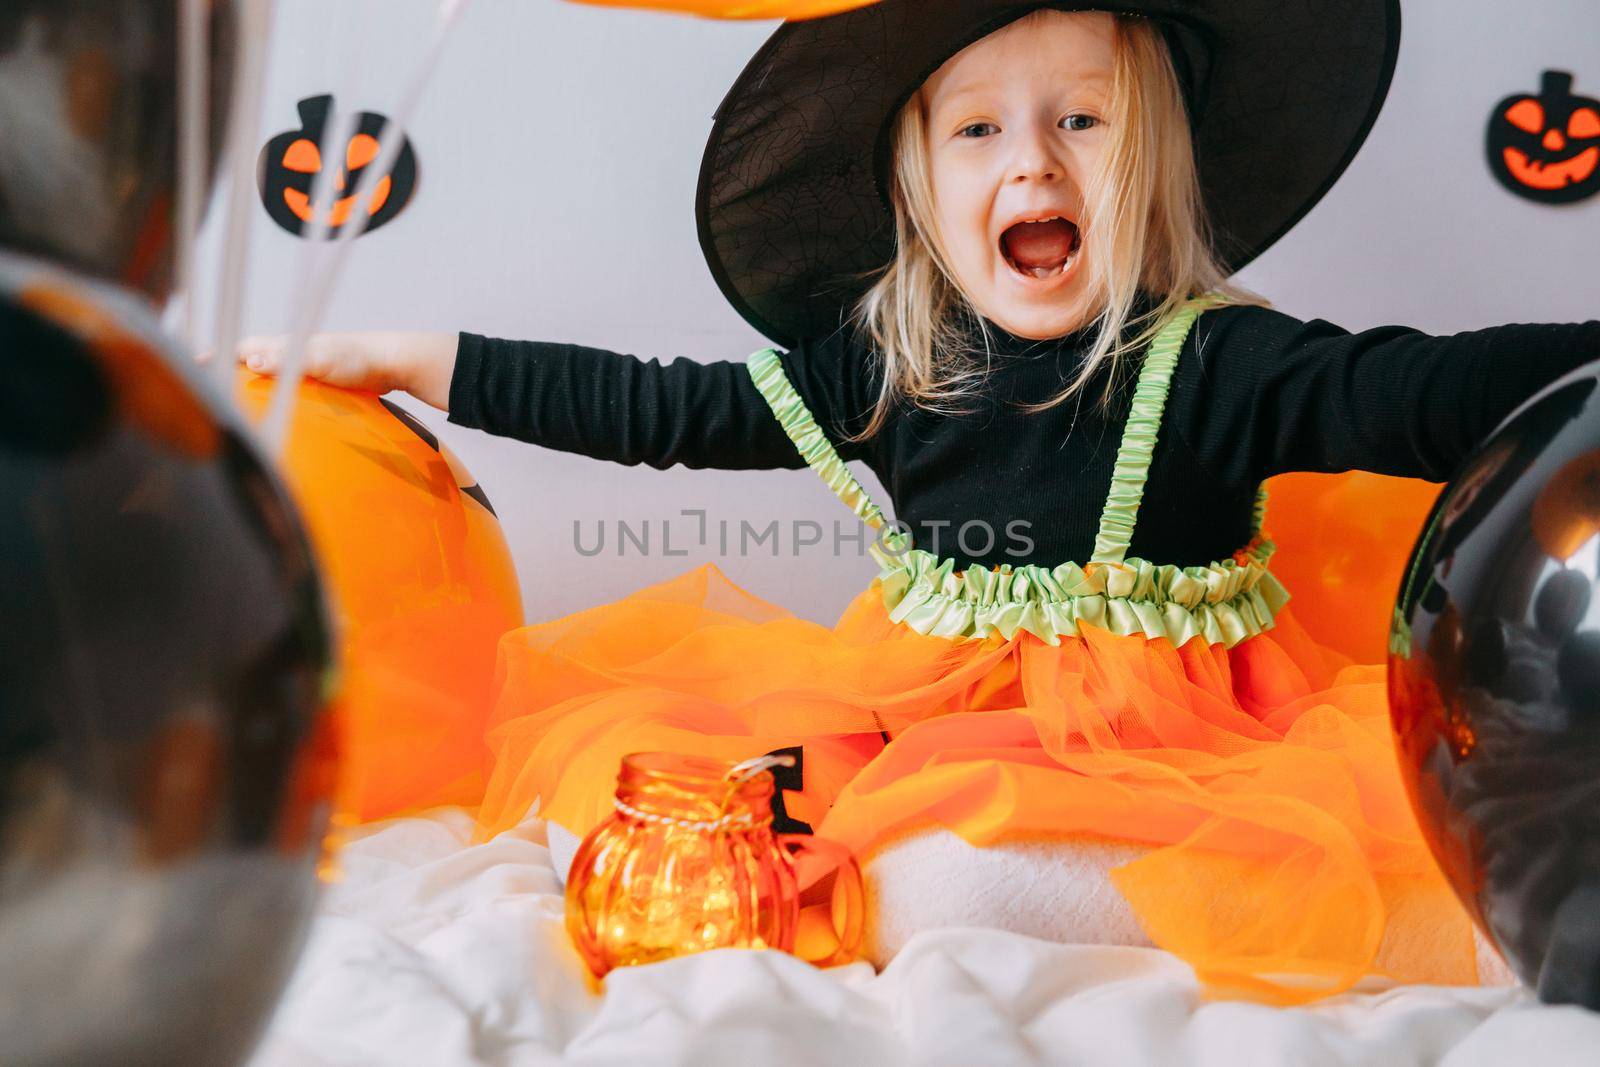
421	584
741	9
1343	542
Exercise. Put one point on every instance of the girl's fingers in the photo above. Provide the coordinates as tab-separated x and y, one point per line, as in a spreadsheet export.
261	354
328	358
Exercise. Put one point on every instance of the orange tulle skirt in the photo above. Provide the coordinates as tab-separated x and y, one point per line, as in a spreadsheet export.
1282	859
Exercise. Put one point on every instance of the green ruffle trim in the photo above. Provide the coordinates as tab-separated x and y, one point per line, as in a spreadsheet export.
1225	603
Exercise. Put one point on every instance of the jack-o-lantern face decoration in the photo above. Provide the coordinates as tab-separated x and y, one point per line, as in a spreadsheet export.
1547	147
290	163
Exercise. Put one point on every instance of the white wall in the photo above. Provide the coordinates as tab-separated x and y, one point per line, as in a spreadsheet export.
559	146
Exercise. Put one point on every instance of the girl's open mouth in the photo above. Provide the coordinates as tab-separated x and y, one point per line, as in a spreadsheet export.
1042	249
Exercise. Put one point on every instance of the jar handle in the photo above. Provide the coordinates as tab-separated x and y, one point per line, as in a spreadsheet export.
831	923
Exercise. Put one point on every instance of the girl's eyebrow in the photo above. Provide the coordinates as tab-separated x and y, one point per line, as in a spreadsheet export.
955	96
1094	79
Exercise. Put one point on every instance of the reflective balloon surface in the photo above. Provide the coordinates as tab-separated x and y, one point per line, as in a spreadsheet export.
165	764
1494	684
88	131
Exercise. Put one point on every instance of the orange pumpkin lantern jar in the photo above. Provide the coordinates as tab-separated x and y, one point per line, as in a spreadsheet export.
422	587
688	862
289	164
1547	147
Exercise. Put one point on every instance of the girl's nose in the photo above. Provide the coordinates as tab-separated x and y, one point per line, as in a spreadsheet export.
1035	159
1043	172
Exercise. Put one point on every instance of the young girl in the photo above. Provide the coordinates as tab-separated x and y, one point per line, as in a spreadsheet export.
994	242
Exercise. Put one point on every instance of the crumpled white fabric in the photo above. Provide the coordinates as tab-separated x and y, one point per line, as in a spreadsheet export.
431	952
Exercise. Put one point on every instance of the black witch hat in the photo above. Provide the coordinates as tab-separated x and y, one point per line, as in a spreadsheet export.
793	202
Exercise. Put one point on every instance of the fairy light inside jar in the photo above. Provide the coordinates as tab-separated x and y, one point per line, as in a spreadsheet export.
688	862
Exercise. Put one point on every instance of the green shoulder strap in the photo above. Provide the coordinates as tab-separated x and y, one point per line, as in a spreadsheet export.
1132	467
767	372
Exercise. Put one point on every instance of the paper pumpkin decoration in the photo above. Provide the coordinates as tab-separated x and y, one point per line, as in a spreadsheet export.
422	587
289	164
1343	541
1546	147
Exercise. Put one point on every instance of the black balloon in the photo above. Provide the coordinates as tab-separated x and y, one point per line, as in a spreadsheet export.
1494	686
165	756
88	131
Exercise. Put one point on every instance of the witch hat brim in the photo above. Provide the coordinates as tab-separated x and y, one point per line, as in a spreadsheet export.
792	202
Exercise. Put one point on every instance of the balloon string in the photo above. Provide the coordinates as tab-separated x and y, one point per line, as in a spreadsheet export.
338	127
319	290
337	130
195	97
243	124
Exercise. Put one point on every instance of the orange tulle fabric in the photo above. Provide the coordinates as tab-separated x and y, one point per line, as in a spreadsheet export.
1283	861
1344	539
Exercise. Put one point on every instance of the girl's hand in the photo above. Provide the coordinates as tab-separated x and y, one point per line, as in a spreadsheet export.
418	363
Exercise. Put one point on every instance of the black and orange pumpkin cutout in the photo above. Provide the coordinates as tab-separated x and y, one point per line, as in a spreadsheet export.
1547	147
289	164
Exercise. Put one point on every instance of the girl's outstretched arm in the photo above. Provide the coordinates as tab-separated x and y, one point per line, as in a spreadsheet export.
595	402
1269	394
615	407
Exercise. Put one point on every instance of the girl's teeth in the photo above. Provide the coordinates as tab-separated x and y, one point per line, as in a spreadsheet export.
1042	272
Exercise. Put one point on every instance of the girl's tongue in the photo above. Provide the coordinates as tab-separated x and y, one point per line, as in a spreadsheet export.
1040	248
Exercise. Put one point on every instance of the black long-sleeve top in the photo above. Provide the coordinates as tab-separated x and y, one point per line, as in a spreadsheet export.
1256	393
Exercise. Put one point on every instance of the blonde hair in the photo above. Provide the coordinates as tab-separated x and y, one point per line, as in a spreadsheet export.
1143	215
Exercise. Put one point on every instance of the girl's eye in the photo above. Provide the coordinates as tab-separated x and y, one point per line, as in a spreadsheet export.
1080	122
978	129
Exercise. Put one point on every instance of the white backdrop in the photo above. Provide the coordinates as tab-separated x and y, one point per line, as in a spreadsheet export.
558	148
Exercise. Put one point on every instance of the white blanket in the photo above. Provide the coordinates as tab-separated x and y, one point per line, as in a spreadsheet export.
434	953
